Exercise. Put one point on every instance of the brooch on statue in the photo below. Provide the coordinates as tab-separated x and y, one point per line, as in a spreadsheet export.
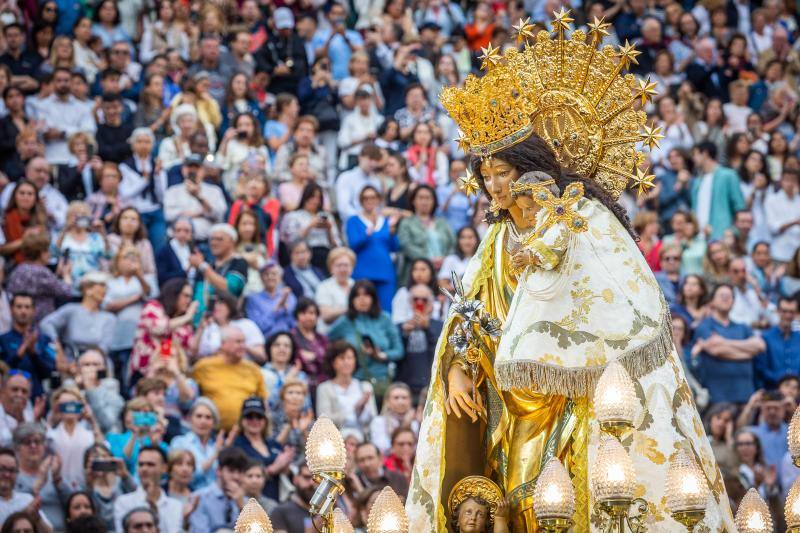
561	209
468	339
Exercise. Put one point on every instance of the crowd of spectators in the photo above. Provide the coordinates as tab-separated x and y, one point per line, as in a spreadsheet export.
224	219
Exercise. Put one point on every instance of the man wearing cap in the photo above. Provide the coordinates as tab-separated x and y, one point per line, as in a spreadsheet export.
283	55
194	199
227	274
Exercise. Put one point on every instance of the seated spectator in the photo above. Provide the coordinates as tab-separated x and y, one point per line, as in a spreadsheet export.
241	141
254	440
258	200
228	273
272	308
287	516
24	213
106	203
348	401
350	185
371	471
140	518
716	263
782	356
227	379
202	443
172	260
372	236
112	136
726	195
282	365
40	472
151	112
424	234
167	388
141	428
454	206
82	325
28	147
332	293
14	502
300	275
15	407
292	417
25	347
781	211
100	389
674	180
80	507
251	247
359	126
82	244
725	351
224	311
311	345
467	241
646	226
152	465
219	504
397	411
396	169
753	472
240	99
74	427
790	281
401	455
669	277
303	141
692	300
176	148
127	229
165	326
63	115
719	428
254	480
290	192
312	223
428	164
196	200
103	484
181	467
421	272
764	415
420	334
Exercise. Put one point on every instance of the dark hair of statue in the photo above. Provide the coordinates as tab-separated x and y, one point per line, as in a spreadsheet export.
535	154
479	501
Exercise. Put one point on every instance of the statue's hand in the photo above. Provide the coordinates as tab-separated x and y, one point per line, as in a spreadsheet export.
459	398
522	259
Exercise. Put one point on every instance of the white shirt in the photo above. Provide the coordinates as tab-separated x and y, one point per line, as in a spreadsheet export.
331	294
704	199
18	502
746	306
182	252
133	185
211	339
177	200
348	188
737	116
71	449
356	127
779	210
8	424
170	510
69	116
55	203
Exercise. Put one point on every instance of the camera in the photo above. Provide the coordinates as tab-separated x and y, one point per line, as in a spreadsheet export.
192	175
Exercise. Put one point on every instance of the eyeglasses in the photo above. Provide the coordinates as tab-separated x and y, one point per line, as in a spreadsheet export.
32	442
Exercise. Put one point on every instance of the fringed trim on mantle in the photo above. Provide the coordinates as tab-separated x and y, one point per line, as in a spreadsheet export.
548	378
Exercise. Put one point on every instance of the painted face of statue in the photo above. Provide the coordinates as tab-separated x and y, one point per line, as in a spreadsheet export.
529	209
472	516
498	176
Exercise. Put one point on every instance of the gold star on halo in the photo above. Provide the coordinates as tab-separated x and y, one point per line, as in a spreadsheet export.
490	57
562	20
643	181
469	184
627	54
463	143
652	135
524	30
646	90
598	28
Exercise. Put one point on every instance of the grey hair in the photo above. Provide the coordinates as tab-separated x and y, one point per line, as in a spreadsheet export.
138	132
204	401
141	509
532	178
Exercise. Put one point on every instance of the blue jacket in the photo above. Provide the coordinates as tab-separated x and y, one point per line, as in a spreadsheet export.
291	281
781	358
373	259
726	200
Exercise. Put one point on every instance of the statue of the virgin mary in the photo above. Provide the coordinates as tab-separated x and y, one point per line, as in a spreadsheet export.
554	123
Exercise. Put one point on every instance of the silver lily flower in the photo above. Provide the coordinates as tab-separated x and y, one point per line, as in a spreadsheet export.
491	326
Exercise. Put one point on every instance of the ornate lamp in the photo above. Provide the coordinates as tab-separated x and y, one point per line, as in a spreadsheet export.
554	498
794	437
253	519
341	524
614	485
326	457
753	514
687	490
792	508
615	400
387	514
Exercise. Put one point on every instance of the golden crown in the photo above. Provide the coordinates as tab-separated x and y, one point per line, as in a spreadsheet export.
577	99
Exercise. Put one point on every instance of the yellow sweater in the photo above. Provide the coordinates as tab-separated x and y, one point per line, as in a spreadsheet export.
228	385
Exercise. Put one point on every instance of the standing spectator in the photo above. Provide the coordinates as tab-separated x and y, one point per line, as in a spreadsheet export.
24	347
283	53
100	388
303	141
300	176
350	184
371	471
348	401
215	67
310	345
83	325
454	206
771	427
674	180
292	417
716	263
152	465
195	199
75	429
128	230
272	308
282	365
424	235
716	195
82	243
14	501
172	260
669	277
753	472
63	115
428	164
219	504
726	350
278	131
421	272
782	211
782	356
22	63
372	237
646	226
332	293
227	379
200	441
15	408
139	431
23	213
112	135
420	335
750	307
228	273
180	472
238	100
719	427
301	276
398	411
396	170
311	223
163	34
250	246
241	141
184	123
359	126
371	331
225	311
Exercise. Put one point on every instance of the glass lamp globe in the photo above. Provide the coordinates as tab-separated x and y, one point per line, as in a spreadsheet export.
341	524
753	514
554	495
687	489
792	508
387	514
613	477
615	399
794	436
253	519
325	447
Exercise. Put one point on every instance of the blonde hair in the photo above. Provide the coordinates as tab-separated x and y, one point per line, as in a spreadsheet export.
125	249
77	206
67	389
642	219
175	456
339	252
292	382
